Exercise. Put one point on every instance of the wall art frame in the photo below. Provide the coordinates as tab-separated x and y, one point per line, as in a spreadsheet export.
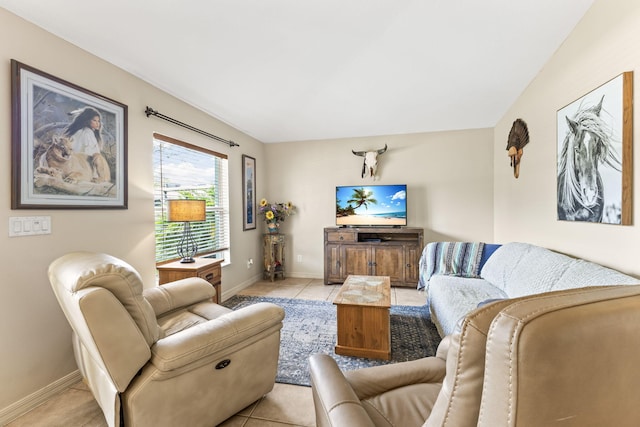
594	155
249	206
69	144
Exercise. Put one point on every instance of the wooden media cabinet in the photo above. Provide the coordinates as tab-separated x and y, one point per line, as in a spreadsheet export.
373	251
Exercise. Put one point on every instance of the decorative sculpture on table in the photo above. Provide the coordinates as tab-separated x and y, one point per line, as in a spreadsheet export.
370	163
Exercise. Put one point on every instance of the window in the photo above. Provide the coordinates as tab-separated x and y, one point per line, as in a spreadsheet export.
184	171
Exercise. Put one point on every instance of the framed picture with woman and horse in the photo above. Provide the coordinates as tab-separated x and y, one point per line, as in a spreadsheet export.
595	141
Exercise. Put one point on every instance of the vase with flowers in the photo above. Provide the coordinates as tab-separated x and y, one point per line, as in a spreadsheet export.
275	213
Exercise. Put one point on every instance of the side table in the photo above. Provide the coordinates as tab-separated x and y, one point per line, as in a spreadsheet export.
273	255
209	269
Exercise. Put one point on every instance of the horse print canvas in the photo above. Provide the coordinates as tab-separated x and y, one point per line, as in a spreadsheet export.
594	155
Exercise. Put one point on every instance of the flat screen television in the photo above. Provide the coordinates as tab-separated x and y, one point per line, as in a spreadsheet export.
371	205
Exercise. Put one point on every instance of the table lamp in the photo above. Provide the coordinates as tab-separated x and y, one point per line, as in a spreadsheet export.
187	211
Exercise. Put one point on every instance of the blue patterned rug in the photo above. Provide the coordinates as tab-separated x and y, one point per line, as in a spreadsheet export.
310	327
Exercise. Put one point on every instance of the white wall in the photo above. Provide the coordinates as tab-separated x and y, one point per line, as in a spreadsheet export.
603	45
35	337
448	177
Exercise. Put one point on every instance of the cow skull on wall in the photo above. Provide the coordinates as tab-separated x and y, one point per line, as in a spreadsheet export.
370	164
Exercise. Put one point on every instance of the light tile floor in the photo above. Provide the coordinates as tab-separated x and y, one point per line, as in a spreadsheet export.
286	405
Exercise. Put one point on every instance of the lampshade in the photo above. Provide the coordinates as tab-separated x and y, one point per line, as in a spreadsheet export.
186	210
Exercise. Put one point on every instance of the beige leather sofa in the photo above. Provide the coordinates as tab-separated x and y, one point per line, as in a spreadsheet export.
167	356
567	358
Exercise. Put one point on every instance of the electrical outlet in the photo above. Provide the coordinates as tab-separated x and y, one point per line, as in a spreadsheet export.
299	258
249	263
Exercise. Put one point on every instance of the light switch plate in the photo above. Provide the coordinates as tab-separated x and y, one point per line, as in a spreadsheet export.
29	225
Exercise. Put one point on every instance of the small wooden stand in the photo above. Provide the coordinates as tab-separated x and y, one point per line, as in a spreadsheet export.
273	256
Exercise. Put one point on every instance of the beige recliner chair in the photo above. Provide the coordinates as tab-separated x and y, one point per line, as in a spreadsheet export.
566	358
167	356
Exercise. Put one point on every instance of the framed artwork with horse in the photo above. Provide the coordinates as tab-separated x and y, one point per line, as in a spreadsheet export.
595	141
69	145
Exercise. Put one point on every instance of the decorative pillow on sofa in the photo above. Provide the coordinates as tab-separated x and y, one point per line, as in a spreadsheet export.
489	249
461	259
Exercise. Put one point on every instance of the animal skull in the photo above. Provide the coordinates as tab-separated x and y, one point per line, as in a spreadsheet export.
370	164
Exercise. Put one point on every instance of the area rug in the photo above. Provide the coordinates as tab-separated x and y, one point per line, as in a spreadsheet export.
310	327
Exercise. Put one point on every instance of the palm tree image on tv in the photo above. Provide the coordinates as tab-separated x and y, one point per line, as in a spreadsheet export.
371	205
360	197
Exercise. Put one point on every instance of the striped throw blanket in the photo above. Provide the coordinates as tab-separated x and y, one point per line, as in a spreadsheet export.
450	258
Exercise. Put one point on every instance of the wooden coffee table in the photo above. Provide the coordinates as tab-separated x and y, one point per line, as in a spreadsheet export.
362	304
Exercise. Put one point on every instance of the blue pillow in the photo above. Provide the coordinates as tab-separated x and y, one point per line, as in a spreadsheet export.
487	251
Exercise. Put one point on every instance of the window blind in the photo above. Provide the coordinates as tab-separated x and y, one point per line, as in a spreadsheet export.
184	171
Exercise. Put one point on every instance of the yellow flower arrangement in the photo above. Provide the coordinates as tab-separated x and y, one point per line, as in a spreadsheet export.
276	212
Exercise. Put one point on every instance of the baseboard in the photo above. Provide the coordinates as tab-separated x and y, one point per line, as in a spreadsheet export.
228	293
37	398
303	275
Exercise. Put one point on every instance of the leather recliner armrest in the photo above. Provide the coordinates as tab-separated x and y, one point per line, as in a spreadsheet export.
443	347
219	334
178	294
373	381
336	403
368	382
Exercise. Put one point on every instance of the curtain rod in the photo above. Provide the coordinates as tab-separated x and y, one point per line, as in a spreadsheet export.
151	112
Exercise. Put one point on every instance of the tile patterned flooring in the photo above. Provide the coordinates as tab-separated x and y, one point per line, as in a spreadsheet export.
286	405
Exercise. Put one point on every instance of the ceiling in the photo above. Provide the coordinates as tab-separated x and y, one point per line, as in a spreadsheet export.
295	70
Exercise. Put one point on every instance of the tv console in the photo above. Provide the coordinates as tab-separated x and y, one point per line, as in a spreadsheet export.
369	226
373	251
